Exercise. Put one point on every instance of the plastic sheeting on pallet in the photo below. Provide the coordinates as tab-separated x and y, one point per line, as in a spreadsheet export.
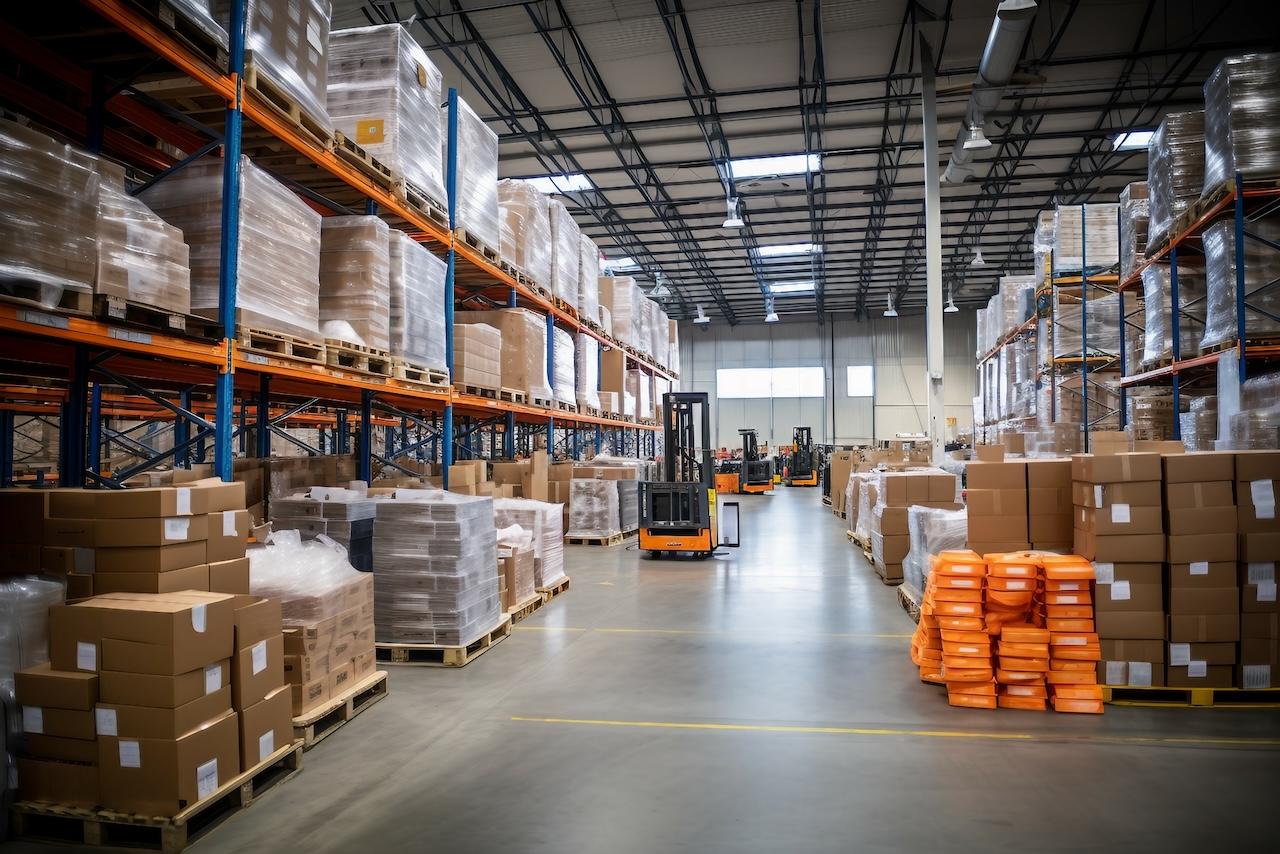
588	279
525	227
593	508
621	296
566	252
586	360
1135	214
1104	326
1175	169
1089	229
417	303
140	257
477	202
1242	112
384	93
564	366
931	530
1261	270
1158	303
524	347
546	521
477	355
355	292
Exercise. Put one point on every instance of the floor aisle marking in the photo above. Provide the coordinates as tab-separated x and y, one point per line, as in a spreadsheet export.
619	630
1176	741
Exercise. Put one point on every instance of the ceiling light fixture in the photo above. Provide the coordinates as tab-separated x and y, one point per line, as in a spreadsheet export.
660	288
977	259
568	182
976	138
791	288
733	213
951	304
890	311
770	315
702	318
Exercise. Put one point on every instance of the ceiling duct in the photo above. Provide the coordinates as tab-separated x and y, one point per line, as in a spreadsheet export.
999	58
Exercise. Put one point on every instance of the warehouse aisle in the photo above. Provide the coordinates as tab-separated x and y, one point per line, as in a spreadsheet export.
759	702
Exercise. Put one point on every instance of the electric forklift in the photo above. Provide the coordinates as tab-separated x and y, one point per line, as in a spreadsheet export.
803	463
756	472
678	513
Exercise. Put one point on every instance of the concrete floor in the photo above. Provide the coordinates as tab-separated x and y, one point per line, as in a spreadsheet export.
763	701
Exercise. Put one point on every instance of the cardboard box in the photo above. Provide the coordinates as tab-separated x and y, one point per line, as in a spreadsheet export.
187	578
79	586
61	723
150	558
68	783
461	475
1120	519
254	618
228	535
1200	574
1128	467
41	685
1202	520
1143	649
1256	502
996	502
1126	595
992	528
230	576
1216	493
1199	467
1120	548
1049	473
1259	598
309	695
71	503
1185	548
1204	628
1257	465
75	637
165	635
1054	528
1108	441
1259	547
986	547
1209	653
364	665
1255	625
219	495
1141	493
1208	676
989	453
143	503
265	727
303	669
151	531
70	532
168	692
256	670
1204	600
1255	676
160	722
157	776
62	749
341	678
1125	625
1011	474
22	514
1049	500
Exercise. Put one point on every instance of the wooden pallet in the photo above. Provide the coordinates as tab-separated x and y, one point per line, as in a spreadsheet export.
524	609
346	356
114	309
513	395
1233	343
421	203
439	655
486	251
211	47
478	391
30	295
562	406
553	590
411	373
319	723
170	834
589	410
908	599
611	540
1256	698
544	402
276	97
279	345
355	155
567	307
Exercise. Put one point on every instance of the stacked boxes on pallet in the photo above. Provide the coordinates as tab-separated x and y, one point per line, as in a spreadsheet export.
1257	475
1135	216
524	347
417	304
1175	169
1158	309
889	535
588	280
594	505
566	252
1261	266
546	522
288	40
525	227
563	366
355	294
140	257
478	356
996	499
586	363
477	168
1241	113
343	515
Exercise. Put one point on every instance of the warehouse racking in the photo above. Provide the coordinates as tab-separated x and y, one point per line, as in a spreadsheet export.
66	358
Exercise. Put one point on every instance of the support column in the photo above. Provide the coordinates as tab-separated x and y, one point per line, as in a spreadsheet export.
7	439
73	426
364	459
95	429
264	416
933	257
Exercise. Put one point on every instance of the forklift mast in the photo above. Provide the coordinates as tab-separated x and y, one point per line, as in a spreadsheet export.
750	449
688	460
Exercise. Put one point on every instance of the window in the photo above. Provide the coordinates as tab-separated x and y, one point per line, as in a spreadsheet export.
769	382
561	183
1133	140
780	249
861	380
615	264
785	164
791	288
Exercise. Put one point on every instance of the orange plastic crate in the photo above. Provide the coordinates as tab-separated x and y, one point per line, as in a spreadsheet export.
958	609
954	636
1066	664
1021	664
957	582
1078	624
984	689
1025	689
968	674
957	595
967	650
1026	704
1019	677
1078	692
1018	585
1024	634
1072	677
1030	650
963	624
971	701
1069	612
1079	707
1080	597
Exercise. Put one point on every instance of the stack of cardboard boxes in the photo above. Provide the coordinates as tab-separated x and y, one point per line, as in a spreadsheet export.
1049	505
477	356
888	532
1257	475
518	479
328	642
343	515
996	497
60	763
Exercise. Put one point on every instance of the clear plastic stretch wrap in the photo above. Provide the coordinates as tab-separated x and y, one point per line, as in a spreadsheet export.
278	272
1104	327
932	530
24	640
868	497
435	568
1242	112
588	279
1042	244
525	226
477	203
1135	214
638	388
524	347
629	504
1158	301
1013	301
1091	228
546	521
673	346
200	13
312	578
593	508
1151	413
564	366
477	356
1261	269
586	370
49	199
385	93
566	252
417	303
621	296
606	319
1255	423
288	40
1175	168
1199	424
355	292
140	256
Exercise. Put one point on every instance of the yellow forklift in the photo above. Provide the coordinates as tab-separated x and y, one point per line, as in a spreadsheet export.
803	462
756	473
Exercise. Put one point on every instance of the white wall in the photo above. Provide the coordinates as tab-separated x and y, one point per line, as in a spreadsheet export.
895	347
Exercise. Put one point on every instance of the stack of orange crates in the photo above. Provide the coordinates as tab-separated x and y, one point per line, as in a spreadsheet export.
1074	650
926	642
1013	582
955	593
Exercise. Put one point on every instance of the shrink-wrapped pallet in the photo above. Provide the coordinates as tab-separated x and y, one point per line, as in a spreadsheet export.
586	361
1016	302
593	507
278	279
563	367
312	579
1261	270
1157	300
566	252
673	346
546	521
622	296
525	228
417	303
435	568
477	356
1042	244
638	387
1255	424
1199	424
1085	235
931	530
140	256
1135	214
385	93
606	319
524	347
48	217
628	505
588	279
477	193
355	292
1175	169
1103	326
1241	115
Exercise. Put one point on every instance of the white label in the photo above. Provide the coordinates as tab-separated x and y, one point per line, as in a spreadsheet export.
1105	572
1070	641
1116	673
1120	591
175	528
1068	600
198	617
1260	572
1019	570
1097	495
1179	654
1070	585
106	721
969	650
1120	514
1016	584
228	523
1266	591
1197	669
1140	674
964	609
266	744
207	778
1199	567
259	657
184	501
1264	499
33	719
964	582
212	678
1257	676
86	656
130	754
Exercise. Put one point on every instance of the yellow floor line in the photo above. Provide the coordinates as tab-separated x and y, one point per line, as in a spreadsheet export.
918	733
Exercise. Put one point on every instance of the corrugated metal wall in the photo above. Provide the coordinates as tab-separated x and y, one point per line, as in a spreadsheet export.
894	347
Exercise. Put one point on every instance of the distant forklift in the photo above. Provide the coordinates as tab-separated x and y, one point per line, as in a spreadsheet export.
756	474
678	513
803	462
